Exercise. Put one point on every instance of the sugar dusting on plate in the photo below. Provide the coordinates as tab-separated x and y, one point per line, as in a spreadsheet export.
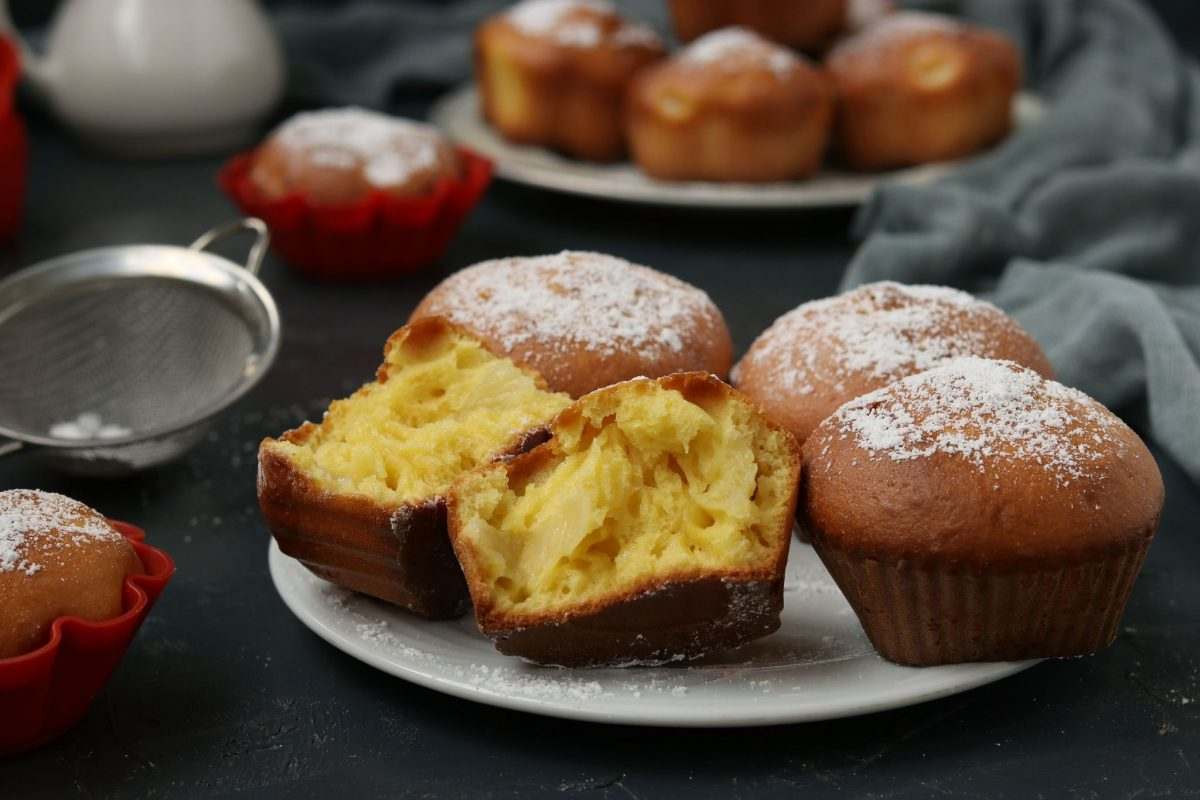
562	21
597	302
881	330
389	150
32	519
981	410
734	47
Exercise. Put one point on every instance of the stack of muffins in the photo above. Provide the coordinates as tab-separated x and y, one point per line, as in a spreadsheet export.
968	506
741	102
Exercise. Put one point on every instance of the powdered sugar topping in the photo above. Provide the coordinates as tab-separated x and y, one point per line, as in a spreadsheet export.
882	331
29	517
562	21
896	27
389	150
731	47
982	410
573	300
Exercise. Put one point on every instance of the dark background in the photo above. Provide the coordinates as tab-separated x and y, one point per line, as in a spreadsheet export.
224	693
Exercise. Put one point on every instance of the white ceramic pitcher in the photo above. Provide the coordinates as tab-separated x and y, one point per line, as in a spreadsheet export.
154	78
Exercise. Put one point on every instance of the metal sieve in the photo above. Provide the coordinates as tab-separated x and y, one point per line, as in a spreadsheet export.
114	359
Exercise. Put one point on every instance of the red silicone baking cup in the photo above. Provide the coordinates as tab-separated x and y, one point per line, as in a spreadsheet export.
45	692
380	236
14	157
10	73
14	148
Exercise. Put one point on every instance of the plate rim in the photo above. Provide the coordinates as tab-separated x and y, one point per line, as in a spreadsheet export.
772	714
698	194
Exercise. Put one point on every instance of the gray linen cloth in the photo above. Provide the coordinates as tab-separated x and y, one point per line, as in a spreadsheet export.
1086	227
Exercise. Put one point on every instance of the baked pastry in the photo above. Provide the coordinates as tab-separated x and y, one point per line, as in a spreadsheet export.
554	72
802	24
338	156
979	512
917	87
359	498
58	558
585	320
825	352
732	106
652	527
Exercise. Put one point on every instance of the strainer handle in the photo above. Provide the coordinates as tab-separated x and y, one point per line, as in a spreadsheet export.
257	250
9	447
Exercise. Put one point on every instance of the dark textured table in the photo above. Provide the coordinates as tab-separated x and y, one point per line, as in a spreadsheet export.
225	693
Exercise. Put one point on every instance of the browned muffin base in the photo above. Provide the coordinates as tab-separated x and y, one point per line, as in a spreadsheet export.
922	615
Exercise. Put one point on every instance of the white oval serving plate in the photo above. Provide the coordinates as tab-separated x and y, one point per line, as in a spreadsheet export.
458	115
819	665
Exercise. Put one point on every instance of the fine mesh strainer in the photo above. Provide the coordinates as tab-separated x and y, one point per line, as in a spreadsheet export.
112	360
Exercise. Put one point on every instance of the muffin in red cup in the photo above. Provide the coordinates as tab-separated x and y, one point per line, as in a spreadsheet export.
354	194
74	587
14	148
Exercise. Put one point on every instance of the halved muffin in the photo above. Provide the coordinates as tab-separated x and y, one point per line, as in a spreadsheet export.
359	498
652	527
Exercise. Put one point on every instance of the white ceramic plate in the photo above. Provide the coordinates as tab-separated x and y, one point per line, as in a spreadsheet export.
819	665
458	115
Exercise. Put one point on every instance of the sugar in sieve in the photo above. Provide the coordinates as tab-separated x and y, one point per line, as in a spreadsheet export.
114	359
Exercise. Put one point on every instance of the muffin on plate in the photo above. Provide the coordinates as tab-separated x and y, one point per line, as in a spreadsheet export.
585	320
652	527
916	87
58	558
732	106
553	73
802	24
979	512
360	497
350	193
825	352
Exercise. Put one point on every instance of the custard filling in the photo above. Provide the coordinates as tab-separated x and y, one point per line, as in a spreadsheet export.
644	484
442	405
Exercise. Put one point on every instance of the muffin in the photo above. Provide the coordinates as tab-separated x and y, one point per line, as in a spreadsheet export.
585	320
351	194
915	87
360	497
802	24
338	156
825	352
732	106
979	512
58	558
554	72
652	527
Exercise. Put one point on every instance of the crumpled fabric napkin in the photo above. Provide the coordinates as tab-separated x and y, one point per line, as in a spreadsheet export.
1085	227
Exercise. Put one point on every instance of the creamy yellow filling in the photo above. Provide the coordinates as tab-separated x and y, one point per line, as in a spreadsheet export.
648	484
446	406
